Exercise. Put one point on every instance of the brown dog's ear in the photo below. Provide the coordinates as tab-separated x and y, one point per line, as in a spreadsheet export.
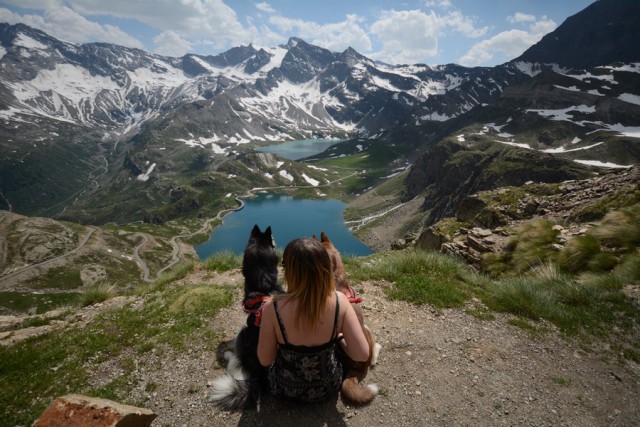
324	238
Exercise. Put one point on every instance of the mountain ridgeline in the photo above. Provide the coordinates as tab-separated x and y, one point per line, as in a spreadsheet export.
99	133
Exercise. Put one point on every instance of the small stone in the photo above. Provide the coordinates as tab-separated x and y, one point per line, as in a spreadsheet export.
408	353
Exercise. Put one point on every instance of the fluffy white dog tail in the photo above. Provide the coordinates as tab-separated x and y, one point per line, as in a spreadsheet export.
231	391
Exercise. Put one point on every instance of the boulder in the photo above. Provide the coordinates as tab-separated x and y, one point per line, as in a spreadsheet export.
75	410
490	218
469	208
431	239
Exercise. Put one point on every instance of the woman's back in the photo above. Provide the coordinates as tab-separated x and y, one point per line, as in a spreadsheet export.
303	335
306	371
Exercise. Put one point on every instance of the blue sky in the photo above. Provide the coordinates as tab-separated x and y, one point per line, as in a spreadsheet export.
466	32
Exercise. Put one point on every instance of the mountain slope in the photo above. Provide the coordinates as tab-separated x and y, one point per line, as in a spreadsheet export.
605	32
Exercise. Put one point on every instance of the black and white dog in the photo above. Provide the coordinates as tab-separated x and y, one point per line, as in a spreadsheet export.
246	379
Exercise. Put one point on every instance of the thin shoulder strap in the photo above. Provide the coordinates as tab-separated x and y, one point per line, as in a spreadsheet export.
284	333
335	320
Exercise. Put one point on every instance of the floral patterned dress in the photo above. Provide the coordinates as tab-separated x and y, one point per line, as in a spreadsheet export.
303	373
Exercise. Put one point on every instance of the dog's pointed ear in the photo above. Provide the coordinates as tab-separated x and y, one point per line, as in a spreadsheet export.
255	230
267	232
324	238
313	237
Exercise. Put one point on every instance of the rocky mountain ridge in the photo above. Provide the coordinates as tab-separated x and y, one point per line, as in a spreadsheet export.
137	130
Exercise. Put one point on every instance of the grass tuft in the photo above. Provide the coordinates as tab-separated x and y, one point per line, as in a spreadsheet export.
421	277
223	261
97	293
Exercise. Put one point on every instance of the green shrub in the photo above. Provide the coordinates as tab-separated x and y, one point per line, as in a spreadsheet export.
602	262
530	247
620	229
578	252
628	271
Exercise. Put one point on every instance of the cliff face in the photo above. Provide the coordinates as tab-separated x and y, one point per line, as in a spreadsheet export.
450	171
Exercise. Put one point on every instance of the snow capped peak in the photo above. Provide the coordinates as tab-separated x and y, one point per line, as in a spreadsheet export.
293	42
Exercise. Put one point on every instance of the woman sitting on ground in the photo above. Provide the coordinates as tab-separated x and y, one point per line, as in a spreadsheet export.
300	328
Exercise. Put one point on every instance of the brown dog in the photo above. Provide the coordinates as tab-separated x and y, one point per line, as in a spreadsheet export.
354	372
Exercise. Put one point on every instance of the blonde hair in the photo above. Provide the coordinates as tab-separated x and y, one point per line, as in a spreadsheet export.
309	278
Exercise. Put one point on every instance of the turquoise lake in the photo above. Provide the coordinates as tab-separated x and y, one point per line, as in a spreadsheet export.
295	150
289	219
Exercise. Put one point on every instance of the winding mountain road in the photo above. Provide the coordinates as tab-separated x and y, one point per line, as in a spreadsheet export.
175	255
81	245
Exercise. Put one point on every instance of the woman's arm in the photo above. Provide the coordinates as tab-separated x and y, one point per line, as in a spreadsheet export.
267	341
354	343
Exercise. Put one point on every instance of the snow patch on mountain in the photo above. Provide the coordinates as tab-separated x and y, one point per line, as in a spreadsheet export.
310	180
564	150
149	79
630	68
204	142
283	173
277	55
528	68
145	176
564	114
24	40
70	81
630	131
435	117
630	98
603	164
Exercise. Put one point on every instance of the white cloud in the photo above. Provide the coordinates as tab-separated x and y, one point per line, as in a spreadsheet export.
520	17
170	43
543	26
210	21
406	35
444	4
412	35
510	44
68	25
463	24
334	36
193	21
265	7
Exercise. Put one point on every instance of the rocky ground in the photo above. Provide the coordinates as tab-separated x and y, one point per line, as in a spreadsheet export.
436	368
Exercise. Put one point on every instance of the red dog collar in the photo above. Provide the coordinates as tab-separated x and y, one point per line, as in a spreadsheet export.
351	295
254	306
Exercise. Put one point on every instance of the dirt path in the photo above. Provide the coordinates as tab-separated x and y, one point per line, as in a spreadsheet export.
436	368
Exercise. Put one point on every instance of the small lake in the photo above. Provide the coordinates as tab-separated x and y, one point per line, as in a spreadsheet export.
295	150
289	219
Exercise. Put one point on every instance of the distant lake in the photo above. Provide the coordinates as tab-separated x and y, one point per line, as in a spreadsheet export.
294	150
289	219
